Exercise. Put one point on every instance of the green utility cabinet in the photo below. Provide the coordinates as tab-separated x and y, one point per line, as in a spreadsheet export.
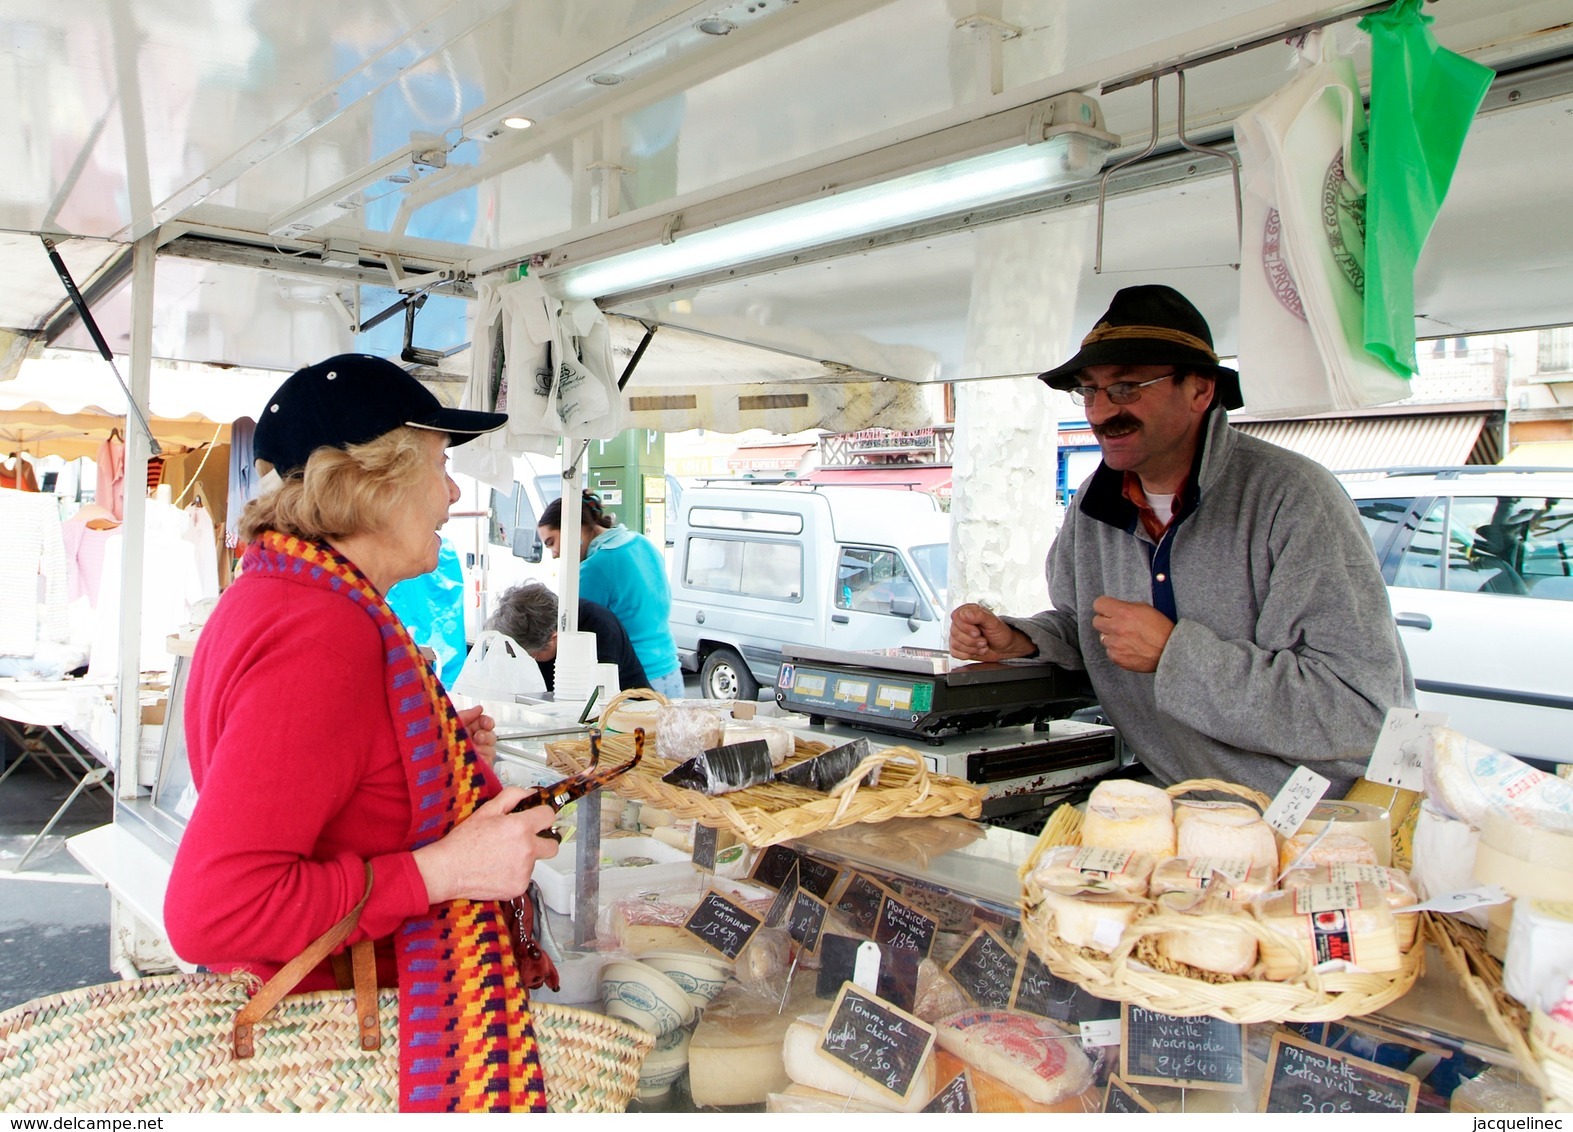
628	472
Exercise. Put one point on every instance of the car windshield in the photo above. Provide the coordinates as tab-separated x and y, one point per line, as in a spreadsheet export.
933	563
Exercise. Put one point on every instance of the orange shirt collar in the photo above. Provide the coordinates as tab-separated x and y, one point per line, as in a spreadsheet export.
1132	490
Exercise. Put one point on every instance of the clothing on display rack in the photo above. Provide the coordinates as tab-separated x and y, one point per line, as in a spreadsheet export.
86	534
33	574
111	461
16	472
242	477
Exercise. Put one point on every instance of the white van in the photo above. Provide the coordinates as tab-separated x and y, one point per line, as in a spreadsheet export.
495	537
753	568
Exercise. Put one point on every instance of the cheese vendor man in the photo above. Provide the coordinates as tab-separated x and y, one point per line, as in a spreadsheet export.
1219	590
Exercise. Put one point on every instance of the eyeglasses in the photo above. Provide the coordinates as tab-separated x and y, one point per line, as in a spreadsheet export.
1120	393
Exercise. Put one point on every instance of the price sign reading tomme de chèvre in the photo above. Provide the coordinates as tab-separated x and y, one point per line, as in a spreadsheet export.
876	1040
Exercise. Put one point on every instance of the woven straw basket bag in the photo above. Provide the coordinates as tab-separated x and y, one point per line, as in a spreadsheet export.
197	1043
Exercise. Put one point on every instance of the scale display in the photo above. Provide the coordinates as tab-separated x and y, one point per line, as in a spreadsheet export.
922	691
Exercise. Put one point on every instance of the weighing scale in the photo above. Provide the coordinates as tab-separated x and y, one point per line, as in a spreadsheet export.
1000	726
923	693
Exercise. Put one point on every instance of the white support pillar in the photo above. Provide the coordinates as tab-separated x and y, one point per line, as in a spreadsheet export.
134	527
1006	439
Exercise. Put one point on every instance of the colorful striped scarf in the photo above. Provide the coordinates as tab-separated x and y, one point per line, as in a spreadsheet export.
466	1043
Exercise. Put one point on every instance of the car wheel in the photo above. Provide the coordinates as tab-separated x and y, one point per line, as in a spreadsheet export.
725	677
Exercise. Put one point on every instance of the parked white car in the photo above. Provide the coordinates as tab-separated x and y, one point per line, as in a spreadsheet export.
1479	567
756	567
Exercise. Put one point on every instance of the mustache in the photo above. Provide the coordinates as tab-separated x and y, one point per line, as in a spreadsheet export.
1124	421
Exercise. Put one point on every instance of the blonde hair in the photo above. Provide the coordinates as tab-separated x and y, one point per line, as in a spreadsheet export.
343	491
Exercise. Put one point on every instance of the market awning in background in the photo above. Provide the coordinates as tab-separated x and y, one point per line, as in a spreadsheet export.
1345	444
1541	454
768	457
66	406
918	477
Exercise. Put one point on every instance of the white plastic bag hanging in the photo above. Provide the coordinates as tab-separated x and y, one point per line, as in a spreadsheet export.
1302	321
497	670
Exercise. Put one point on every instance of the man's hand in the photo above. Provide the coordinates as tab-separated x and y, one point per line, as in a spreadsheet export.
1131	632
976	634
483	732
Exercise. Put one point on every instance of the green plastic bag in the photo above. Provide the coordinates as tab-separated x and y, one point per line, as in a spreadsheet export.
1423	99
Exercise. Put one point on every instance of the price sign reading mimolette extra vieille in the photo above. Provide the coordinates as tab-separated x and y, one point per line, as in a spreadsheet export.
1305	1077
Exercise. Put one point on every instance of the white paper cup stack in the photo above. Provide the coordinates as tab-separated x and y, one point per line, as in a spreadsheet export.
575	667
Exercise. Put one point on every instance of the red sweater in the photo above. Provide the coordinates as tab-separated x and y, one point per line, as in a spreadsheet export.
300	780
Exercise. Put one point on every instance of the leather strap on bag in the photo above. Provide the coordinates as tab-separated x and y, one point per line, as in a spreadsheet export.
289	976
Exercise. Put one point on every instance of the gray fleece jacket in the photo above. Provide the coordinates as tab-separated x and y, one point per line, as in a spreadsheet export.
1284	650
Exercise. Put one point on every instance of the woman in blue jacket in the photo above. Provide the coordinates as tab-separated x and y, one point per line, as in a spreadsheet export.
625	572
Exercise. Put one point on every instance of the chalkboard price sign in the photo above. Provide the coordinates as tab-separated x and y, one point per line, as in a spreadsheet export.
860	900
818	877
1197	1051
785	897
957	1096
807	919
877	1040
898	969
901	926
706	839
720	924
1040	991
775	864
1120	1097
1305	1077
985	968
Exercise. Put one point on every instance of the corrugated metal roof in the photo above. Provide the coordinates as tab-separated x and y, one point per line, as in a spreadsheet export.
1386	442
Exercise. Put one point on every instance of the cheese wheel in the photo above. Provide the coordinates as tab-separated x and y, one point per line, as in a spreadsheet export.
1187	808
1187	874
990	1094
938	994
1539	952
734	1057
1333	849
1394	883
1122	814
1363	819
1084	922
1464	779
1077	866
1232	831
1323	923
1526	854
800	1098
807	1066
1032	1055
1212	945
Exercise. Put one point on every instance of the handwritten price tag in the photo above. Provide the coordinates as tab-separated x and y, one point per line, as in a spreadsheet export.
1463	901
1295	801
1398	757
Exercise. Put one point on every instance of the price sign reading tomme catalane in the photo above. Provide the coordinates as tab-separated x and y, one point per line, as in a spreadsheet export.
881	1043
954	1097
1120	1097
720	924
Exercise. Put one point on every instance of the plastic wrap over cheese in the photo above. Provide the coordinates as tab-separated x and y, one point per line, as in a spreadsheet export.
1464	779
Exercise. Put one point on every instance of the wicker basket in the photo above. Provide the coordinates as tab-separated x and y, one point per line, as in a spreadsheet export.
1308	997
164	1045
777	811
1463	948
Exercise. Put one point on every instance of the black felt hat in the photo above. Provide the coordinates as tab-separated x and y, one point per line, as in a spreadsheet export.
1150	325
351	399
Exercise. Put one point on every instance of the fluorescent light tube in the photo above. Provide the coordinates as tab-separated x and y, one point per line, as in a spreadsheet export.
991	178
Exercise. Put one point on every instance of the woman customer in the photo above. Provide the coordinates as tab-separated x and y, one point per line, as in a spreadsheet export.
625	572
327	754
